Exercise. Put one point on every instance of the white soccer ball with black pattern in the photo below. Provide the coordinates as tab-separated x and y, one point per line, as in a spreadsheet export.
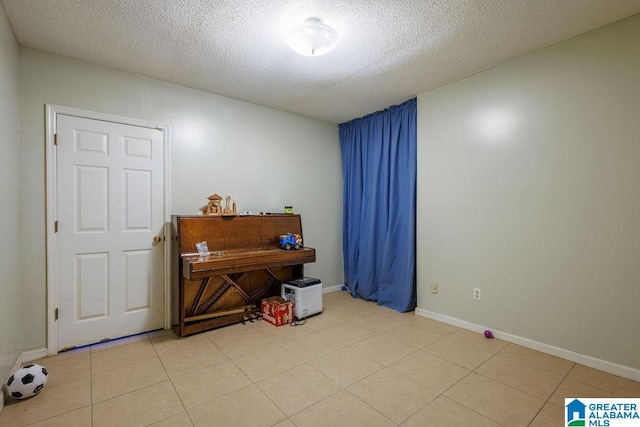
27	381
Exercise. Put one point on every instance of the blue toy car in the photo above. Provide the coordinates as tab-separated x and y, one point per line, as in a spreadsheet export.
290	241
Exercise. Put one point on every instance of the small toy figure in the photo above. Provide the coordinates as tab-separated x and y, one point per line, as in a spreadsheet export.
213	206
229	209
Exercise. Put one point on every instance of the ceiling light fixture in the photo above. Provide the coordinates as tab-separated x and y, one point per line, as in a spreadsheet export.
312	38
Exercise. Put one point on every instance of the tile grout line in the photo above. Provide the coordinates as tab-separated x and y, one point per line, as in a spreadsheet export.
389	366
288	417
372	406
471	371
551	395
171	382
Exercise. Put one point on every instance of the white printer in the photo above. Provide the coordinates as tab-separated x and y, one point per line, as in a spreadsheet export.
306	294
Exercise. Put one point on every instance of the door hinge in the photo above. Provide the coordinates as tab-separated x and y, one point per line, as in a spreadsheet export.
55	227
56	314
55	139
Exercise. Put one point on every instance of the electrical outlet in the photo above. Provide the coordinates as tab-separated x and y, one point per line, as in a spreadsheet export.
434	287
476	294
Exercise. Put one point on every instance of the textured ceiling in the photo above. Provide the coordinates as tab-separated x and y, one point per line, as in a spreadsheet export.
389	51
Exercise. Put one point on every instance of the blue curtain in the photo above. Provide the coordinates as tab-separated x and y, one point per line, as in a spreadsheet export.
379	219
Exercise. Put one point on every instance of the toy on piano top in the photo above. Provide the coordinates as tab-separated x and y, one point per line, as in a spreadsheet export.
290	241
214	206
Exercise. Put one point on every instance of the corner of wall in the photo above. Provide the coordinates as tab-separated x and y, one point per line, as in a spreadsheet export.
330	289
3	389
10	326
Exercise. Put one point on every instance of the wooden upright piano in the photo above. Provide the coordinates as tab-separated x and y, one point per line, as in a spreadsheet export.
245	265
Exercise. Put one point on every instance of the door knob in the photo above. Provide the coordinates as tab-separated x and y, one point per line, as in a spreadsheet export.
156	240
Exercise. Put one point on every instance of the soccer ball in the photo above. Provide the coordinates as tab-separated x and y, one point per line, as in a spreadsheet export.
27	381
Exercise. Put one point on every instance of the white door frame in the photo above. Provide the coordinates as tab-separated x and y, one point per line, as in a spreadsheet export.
51	212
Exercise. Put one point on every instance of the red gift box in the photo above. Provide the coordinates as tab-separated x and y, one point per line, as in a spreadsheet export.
277	311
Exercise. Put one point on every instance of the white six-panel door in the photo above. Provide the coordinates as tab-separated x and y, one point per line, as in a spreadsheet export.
110	208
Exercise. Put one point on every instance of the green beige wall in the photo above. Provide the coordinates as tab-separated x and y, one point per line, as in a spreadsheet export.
528	188
9	201
265	159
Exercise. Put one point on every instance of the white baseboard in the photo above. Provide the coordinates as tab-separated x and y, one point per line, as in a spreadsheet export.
592	362
28	356
332	289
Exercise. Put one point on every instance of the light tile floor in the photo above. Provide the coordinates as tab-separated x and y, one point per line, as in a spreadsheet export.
357	364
